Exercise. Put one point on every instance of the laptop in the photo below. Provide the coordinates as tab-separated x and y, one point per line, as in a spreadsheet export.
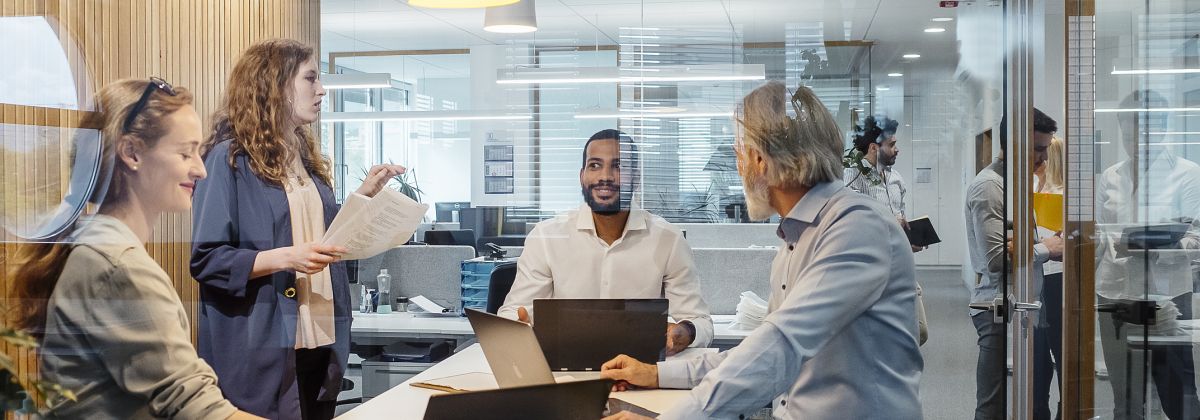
569	400
511	349
582	334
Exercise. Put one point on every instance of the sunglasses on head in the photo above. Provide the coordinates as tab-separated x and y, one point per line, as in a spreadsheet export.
155	83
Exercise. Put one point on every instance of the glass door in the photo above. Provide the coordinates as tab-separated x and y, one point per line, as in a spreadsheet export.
1133	194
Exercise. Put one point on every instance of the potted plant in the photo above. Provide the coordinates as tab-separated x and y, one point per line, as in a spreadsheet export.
14	395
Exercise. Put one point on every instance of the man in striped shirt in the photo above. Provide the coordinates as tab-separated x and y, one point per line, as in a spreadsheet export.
877	143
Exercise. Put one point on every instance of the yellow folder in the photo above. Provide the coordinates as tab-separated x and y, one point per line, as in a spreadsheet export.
1048	209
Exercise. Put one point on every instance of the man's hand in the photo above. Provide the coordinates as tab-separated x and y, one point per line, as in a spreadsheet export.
523	315
628	372
1055	245
679	338
625	415
916	249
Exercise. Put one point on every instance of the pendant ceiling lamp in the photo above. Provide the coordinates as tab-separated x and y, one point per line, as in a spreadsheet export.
515	18
459	4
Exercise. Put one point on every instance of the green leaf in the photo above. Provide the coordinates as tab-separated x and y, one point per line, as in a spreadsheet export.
18	338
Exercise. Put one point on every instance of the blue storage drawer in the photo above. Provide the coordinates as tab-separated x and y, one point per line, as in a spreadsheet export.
471	293
476	275
475	280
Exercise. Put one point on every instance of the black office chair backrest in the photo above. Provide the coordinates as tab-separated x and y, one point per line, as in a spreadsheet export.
499	284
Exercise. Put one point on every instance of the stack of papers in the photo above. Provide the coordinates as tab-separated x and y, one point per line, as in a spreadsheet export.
751	311
368	227
1166	320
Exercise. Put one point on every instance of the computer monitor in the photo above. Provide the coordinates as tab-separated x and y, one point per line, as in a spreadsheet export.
447	212
450	237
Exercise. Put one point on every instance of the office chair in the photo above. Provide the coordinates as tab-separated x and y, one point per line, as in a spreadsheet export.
499	284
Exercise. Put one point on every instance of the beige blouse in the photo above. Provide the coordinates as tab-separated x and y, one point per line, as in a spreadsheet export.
117	335
314	293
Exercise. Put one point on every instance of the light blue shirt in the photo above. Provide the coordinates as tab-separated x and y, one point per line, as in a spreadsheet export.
986	236
840	338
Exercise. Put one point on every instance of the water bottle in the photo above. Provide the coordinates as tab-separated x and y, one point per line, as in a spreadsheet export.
364	300
384	282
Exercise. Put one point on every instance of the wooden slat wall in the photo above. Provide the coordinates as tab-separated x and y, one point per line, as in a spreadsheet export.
192	43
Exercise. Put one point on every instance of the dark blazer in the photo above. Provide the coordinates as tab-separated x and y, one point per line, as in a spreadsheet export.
248	326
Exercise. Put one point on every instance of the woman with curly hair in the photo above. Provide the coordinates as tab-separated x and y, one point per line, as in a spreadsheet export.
275	303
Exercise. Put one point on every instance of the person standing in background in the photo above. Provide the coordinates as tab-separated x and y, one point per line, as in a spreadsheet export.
877	143
1049	178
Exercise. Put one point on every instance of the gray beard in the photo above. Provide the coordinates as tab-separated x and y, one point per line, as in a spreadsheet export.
758	199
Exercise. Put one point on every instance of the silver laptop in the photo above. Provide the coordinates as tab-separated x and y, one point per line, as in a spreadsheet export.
511	349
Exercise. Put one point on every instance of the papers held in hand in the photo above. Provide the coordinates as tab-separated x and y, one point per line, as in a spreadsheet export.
921	232
368	226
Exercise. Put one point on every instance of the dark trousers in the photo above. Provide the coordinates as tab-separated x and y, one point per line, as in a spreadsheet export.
1170	366
1047	348
311	368
991	370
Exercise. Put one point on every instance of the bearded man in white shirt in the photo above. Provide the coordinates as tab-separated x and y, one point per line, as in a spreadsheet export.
608	250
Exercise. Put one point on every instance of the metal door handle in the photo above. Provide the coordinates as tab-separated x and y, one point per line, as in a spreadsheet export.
1027	306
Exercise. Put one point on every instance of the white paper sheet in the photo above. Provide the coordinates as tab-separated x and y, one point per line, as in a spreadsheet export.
367	229
427	305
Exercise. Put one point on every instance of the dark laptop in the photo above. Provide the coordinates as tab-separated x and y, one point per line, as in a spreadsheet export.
582	334
568	400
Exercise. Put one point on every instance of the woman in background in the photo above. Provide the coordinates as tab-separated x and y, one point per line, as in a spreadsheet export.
115	332
1047	338
275	304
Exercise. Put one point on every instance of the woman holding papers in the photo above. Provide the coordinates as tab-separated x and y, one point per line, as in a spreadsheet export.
111	326
275	302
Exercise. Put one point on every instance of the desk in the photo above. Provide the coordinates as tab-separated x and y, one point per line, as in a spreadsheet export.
382	329
408	402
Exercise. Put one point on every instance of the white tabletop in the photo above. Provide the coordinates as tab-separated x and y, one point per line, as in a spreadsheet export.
409	325
408	402
404	323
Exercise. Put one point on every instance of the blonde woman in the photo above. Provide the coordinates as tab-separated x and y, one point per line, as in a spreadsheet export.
275	304
1047	338
112	327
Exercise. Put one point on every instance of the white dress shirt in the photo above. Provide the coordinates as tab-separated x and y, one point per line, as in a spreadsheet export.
1168	189
564	258
840	338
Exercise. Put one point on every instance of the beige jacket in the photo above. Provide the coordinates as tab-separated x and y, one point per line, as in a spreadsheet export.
117	335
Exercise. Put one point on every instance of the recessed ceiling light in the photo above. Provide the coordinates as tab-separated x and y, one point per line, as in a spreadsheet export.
935	30
895	74
942	19
883	88
912	56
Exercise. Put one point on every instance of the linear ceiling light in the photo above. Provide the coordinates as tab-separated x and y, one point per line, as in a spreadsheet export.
517	18
1144	109
420	116
459	4
356	81
648	113
1156	71
575	75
